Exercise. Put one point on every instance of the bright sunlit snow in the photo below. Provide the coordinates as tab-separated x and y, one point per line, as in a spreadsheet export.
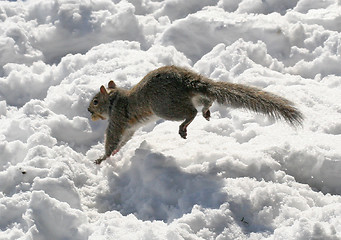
238	176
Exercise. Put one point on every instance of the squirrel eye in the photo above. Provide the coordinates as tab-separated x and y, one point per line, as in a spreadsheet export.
95	102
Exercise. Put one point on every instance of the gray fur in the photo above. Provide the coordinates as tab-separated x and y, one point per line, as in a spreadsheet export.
172	93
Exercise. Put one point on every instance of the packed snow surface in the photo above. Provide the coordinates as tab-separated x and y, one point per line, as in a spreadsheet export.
238	176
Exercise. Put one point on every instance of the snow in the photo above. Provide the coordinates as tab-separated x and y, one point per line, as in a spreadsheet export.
238	176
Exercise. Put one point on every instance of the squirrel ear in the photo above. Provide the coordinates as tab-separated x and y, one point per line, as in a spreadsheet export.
103	90
111	84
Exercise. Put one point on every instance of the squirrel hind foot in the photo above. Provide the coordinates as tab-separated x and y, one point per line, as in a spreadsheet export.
207	114
184	125
183	132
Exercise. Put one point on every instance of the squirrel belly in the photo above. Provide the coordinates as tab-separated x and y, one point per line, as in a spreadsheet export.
173	93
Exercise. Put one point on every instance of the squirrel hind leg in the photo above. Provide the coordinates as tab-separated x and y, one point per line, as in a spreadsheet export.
201	100
206	113
184	125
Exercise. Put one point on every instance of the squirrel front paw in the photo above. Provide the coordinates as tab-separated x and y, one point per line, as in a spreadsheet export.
98	161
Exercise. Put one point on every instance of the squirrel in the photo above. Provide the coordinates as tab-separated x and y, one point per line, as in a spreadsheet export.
173	93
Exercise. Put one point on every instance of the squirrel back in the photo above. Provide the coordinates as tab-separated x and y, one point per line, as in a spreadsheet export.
172	93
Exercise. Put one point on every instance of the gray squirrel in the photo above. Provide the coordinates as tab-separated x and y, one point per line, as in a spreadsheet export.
173	93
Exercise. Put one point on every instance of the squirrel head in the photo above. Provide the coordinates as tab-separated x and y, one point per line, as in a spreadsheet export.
100	103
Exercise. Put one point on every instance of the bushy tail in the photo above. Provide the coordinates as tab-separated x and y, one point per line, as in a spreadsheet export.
242	96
